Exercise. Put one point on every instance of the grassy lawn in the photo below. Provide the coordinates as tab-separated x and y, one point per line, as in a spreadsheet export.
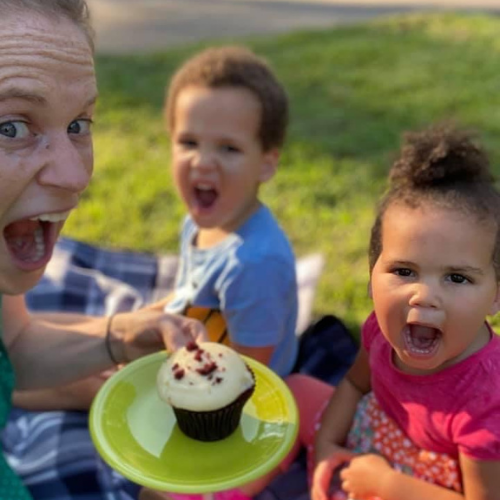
353	91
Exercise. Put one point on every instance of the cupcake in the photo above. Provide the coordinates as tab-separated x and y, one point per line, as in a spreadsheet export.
207	385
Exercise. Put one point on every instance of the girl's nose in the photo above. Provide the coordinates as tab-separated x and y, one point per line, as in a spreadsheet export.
67	165
424	295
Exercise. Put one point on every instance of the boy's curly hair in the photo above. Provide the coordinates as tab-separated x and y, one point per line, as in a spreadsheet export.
446	167
235	67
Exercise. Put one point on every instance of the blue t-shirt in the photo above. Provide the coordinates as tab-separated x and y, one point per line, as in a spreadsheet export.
250	277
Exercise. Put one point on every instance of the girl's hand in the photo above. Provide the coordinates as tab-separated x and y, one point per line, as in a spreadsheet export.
363	476
335	456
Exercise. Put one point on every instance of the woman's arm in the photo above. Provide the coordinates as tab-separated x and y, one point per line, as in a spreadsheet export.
53	349
76	396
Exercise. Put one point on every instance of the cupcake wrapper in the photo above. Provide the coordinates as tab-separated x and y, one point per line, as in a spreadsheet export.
212	425
215	424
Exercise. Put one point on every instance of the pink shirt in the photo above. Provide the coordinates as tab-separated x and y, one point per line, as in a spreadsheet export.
456	410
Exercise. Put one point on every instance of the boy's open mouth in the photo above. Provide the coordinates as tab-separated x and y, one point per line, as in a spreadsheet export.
205	195
421	340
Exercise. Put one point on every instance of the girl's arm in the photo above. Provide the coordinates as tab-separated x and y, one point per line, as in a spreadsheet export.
336	423
371	475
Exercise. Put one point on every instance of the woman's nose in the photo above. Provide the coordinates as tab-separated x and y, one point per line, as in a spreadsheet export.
67	165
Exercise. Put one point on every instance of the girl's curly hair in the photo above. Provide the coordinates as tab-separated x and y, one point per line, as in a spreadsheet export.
444	166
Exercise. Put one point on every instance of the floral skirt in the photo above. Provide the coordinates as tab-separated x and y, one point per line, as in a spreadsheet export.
374	432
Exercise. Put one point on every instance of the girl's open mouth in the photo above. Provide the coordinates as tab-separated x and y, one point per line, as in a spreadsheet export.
421	341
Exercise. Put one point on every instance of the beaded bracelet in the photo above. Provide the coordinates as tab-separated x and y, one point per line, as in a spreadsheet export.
107	340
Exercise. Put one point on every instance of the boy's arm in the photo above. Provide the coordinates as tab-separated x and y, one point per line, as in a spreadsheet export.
262	354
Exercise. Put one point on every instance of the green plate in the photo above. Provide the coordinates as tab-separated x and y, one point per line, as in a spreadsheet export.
136	433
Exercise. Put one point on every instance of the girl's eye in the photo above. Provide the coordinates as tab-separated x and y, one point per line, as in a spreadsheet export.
458	278
403	272
80	127
14	129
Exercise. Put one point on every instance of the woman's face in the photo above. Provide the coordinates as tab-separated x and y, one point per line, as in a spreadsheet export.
47	96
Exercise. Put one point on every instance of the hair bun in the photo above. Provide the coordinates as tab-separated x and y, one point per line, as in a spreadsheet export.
441	155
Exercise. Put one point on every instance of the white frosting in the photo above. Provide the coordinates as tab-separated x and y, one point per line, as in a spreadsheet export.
203	378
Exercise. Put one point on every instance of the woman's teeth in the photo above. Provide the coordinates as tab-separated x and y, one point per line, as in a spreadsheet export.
54	217
39	245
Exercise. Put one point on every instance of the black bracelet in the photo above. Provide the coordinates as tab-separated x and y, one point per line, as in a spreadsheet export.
107	340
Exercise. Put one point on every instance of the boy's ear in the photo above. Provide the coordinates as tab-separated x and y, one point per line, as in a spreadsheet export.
269	164
495	307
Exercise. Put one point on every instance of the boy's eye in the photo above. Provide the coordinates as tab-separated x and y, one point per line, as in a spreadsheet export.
187	143
458	278
81	126
14	129
228	148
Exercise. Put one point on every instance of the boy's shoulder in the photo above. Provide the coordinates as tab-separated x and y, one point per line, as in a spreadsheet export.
261	236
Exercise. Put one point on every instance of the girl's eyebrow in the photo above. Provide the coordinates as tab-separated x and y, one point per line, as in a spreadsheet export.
466	269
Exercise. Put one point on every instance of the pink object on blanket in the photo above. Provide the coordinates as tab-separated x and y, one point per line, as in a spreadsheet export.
221	495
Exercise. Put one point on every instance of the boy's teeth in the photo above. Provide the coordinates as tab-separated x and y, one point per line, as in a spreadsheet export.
204	187
51	217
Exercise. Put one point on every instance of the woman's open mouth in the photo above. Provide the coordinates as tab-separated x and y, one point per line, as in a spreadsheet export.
421	341
31	241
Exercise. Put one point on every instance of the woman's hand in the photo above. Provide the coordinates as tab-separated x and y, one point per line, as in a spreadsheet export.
334	457
134	334
364	475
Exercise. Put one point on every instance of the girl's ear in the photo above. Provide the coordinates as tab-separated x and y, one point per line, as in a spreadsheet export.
269	164
495	307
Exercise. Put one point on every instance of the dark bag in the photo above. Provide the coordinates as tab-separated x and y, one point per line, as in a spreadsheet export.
327	350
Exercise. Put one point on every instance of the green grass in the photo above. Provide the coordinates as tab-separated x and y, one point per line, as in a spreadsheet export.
353	91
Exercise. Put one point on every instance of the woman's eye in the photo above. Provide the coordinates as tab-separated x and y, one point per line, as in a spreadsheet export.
14	129
458	278
81	126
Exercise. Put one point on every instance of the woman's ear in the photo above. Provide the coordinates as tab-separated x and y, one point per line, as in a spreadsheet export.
269	164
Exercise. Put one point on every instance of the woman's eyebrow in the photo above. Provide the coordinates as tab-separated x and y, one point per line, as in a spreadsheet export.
16	93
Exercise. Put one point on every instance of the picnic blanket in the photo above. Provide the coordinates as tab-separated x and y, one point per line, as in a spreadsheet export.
52	451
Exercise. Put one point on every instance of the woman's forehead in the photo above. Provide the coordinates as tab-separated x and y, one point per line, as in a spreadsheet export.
36	53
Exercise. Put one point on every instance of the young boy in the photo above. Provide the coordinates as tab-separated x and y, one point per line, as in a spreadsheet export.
227	114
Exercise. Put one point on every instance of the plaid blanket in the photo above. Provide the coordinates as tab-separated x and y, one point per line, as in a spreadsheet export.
52	451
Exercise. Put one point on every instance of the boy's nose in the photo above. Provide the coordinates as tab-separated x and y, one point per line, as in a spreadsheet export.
204	159
66	166
424	295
